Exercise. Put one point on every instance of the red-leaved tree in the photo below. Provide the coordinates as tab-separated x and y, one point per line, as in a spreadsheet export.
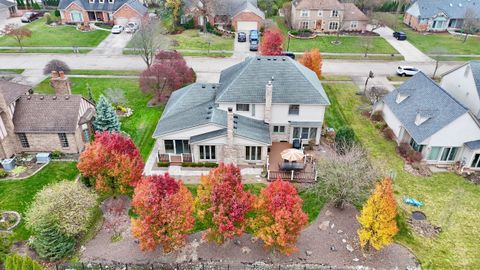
279	217
168	72
272	42
113	161
165	213
222	204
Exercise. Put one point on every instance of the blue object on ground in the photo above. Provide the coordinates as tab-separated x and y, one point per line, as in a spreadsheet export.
413	202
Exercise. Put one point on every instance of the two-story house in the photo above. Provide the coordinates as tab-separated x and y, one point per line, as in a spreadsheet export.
327	16
43	123
256	103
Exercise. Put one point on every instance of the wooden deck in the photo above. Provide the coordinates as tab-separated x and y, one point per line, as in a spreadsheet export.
307	175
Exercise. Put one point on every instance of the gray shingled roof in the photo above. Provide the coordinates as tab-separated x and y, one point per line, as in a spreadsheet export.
194	106
12	91
208	135
105	6
475	67
47	114
473	145
248	5
453	8
427	98
293	83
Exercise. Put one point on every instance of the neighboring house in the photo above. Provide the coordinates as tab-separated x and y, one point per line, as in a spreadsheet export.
439	15
463	83
327	16
424	115
7	9
43	123
243	15
257	103
107	11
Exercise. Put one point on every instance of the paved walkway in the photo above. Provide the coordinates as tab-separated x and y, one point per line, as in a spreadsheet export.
404	47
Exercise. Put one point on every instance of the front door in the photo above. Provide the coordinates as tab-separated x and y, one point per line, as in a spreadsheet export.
318	25
91	16
99	16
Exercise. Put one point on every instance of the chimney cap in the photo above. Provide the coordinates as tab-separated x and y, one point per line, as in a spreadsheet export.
230	109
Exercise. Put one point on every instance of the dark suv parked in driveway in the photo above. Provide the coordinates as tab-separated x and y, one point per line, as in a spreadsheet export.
242	37
400	35
30	17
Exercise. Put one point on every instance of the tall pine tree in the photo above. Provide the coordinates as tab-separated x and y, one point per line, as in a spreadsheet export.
51	243
377	219
106	118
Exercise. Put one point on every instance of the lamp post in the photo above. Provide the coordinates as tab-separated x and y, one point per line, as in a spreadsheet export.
288	43
370	76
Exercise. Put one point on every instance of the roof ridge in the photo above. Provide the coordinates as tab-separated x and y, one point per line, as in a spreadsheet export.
248	62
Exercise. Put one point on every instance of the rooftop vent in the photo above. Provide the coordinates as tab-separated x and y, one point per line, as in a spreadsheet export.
29	97
210	107
67	97
421	117
208	118
203	86
42	97
451	5
401	97
54	97
283	59
258	58
460	4
235	116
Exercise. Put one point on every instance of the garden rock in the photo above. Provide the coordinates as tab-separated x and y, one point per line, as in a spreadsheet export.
324	225
328	213
246	250
344	241
356	259
253	239
332	248
339	231
237	242
331	226
308	252
349	248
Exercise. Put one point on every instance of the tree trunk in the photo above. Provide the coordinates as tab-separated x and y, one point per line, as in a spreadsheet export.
465	37
436	67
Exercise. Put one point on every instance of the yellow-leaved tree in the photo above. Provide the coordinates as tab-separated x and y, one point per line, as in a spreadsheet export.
377	219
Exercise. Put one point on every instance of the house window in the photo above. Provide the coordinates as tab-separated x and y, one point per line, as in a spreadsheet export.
354	24
476	161
169	147
278	129
207	152
319	13
333	26
434	153
86	135
23	140
243	107
63	139
304	13
417	147
334	13
294	110
253	153
76	16
449	153
305	133
101	1
304	25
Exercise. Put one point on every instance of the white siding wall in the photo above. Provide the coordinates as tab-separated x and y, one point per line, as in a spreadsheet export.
184	135
461	85
392	121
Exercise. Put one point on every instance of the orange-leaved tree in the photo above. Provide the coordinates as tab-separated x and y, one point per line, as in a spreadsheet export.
165	213
272	42
279	217
377	219
313	60
113	161
222	204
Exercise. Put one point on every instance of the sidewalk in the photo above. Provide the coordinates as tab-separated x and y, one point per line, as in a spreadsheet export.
404	47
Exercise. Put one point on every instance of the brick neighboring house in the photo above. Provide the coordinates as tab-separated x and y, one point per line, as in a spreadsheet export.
108	11
437	16
243	15
327	16
43	123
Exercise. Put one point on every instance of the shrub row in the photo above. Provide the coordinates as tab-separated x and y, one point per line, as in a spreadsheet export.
200	164
407	152
163	164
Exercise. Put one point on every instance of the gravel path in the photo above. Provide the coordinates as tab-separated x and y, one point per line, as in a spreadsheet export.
319	243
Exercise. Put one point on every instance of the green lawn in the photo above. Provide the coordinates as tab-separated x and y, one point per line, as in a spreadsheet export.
349	44
105	72
140	125
194	40
450	201
17	195
12	70
60	36
428	41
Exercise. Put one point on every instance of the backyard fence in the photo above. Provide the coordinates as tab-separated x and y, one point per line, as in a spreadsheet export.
190	266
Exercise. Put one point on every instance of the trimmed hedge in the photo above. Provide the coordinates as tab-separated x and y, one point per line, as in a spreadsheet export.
163	164
200	164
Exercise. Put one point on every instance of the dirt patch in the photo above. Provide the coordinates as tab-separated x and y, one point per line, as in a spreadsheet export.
424	228
330	240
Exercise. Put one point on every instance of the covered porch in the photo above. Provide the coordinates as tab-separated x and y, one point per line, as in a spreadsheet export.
302	171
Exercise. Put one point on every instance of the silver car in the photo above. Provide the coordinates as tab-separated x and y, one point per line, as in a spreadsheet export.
131	27
117	29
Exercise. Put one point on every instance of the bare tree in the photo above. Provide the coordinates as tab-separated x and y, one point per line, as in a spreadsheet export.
436	53
17	32
471	23
146	39
376	93
366	42
346	177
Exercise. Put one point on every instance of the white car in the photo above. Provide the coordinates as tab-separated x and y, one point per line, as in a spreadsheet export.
407	71
117	29
131	27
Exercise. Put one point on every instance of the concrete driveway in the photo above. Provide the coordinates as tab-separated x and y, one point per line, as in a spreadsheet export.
242	49
405	48
113	44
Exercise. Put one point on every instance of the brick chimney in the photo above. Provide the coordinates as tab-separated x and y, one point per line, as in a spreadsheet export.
229	150
60	83
268	102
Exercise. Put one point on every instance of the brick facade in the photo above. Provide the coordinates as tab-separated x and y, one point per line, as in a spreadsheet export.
123	15
66	13
45	142
126	14
247	17
413	22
